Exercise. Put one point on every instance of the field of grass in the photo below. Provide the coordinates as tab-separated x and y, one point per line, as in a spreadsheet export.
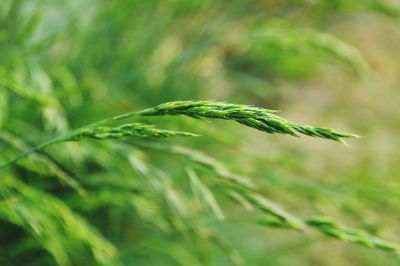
198	132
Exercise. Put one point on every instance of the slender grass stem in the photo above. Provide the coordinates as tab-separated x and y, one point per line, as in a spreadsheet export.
259	118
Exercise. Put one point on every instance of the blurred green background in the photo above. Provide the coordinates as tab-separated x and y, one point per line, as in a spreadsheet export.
64	64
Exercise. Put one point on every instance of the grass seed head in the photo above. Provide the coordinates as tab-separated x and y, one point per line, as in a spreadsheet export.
259	118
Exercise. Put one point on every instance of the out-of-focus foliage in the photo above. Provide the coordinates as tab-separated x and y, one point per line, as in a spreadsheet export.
120	195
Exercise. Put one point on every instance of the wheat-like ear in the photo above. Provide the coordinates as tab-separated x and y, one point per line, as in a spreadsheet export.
99	132
127	130
259	118
358	236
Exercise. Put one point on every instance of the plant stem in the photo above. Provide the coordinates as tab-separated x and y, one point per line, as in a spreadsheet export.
67	136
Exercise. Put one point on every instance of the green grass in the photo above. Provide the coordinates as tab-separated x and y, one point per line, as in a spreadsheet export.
111	154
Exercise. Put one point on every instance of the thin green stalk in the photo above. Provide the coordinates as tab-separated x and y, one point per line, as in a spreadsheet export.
61	139
259	118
